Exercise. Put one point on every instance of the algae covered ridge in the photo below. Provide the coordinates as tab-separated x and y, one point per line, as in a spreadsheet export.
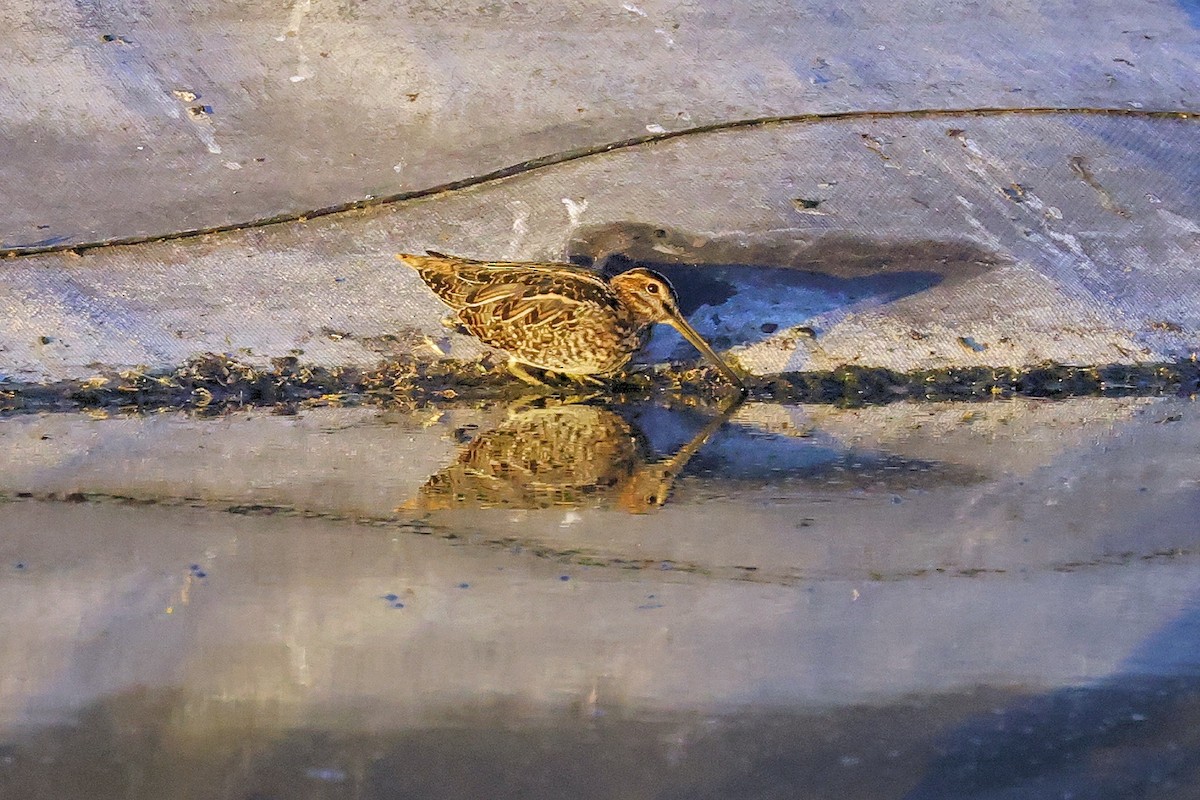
217	382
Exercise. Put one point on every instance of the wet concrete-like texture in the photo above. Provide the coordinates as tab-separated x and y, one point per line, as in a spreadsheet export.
120	119
909	244
914	600
271	529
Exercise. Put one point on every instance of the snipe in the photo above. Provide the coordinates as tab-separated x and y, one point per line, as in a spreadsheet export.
567	456
558	317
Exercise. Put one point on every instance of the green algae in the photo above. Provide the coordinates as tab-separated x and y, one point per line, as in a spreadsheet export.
215	383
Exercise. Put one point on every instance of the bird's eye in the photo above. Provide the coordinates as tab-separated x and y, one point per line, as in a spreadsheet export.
652	288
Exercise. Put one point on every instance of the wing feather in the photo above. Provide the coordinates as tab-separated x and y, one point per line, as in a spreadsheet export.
510	305
455	279
523	308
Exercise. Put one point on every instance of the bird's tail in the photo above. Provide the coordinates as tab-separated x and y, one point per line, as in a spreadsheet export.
440	273
421	262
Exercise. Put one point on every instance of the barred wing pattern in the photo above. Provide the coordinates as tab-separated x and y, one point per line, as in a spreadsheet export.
551	316
454	279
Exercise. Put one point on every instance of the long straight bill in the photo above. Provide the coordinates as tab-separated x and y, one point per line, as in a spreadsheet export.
680	324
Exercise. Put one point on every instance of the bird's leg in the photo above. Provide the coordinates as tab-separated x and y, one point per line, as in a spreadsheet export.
579	399
544	400
518	369
586	380
526	402
451	322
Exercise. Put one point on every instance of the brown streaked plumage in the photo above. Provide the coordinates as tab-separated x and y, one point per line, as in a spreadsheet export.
569	456
558	317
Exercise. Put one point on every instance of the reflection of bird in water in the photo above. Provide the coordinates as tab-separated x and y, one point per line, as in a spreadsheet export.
558	317
567	456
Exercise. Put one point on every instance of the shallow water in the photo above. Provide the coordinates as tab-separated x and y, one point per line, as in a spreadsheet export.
912	600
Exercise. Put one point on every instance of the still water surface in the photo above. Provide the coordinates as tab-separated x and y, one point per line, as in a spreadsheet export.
911	601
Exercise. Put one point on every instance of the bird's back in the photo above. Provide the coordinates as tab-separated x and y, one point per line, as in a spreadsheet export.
552	316
460	282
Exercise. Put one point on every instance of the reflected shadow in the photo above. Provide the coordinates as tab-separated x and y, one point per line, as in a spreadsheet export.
631	457
738	291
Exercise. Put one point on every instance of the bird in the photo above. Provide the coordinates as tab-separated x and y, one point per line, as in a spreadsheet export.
558	318
567	456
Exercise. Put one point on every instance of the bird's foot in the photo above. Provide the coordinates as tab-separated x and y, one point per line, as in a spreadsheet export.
519	371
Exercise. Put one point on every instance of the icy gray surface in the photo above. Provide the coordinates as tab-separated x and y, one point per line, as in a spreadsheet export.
302	104
904	243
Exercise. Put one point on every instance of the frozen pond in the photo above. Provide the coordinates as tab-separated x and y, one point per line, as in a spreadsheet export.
912	600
